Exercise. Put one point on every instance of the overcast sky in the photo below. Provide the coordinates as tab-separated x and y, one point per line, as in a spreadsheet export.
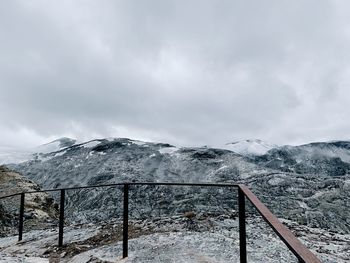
184	72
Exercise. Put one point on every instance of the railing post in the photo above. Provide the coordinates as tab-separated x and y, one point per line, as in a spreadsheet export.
21	215
242	227
125	220
61	219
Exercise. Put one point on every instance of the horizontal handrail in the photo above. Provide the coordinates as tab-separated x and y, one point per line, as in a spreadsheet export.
205	184
59	189
8	196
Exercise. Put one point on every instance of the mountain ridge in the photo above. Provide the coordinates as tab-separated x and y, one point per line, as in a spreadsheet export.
308	185
295	182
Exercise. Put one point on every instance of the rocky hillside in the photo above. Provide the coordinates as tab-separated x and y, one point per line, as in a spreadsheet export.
308	184
40	208
324	158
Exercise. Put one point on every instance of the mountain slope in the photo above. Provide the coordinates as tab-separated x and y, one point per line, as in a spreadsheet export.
328	158
311	195
307	184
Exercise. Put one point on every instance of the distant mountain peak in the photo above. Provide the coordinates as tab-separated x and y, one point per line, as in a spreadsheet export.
63	140
250	147
55	145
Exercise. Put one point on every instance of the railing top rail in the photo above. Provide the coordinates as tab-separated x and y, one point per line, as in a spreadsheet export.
8	196
298	248
206	184
59	189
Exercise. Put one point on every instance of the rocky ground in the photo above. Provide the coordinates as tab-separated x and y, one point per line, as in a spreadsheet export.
40	208
175	239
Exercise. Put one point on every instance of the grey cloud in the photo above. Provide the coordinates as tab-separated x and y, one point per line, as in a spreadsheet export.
194	72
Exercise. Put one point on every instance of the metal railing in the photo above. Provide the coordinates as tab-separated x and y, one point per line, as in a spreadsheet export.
302	253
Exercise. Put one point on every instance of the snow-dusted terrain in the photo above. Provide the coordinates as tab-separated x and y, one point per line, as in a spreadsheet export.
250	147
171	239
308	185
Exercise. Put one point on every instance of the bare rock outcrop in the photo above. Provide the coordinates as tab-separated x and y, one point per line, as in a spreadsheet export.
40	208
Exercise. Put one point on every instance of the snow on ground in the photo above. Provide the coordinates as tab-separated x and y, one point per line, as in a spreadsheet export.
90	144
171	240
36	243
168	247
9	259
249	147
168	150
138	142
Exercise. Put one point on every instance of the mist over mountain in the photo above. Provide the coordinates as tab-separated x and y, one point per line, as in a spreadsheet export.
14	155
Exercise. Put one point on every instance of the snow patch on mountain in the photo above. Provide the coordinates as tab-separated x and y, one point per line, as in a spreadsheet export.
168	150
138	142
90	144
249	147
55	145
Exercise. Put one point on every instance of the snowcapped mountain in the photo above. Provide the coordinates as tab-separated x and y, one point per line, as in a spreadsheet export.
11	155
299	183
55	145
249	147
307	184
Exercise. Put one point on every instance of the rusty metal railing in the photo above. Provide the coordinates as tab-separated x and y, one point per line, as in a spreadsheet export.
303	254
